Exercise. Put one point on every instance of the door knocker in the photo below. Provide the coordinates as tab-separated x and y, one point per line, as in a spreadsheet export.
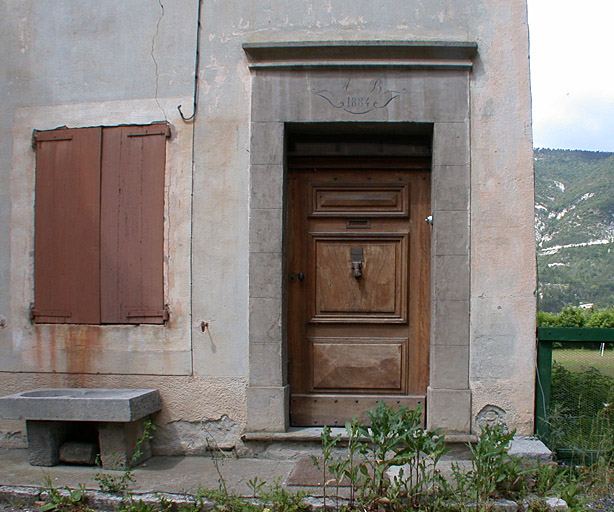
357	259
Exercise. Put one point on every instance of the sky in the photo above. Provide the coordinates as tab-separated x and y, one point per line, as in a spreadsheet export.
572	73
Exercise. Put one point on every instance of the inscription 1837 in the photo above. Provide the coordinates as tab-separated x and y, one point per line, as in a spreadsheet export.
355	101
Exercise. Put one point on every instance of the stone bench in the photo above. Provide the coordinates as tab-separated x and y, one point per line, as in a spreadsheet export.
55	416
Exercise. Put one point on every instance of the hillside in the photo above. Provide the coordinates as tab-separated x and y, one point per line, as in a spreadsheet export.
574	225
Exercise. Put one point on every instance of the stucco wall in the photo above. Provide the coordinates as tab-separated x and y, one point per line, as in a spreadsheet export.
132	62
503	267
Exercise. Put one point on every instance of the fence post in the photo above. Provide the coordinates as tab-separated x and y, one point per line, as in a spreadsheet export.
544	379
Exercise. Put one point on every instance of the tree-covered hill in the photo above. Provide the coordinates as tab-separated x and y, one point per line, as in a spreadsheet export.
574	225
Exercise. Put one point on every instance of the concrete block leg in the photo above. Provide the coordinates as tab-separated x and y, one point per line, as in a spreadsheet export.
44	441
118	443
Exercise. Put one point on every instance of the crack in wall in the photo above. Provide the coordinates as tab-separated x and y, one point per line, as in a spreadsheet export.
153	57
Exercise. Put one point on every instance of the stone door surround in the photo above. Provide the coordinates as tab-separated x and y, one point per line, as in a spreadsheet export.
351	85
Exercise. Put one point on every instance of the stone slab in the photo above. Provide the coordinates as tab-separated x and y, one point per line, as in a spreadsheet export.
449	410
450	324
530	449
44	441
81	404
450	366
267	408
75	452
118	443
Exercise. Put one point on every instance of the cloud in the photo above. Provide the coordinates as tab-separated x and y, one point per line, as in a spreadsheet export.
580	123
571	78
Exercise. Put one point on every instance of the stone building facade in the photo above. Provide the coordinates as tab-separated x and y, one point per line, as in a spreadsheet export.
282	87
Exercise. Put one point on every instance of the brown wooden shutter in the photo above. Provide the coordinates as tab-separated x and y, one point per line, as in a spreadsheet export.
66	242
132	223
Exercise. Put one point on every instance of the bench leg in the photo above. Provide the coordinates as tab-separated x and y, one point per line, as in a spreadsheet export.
118	444
44	441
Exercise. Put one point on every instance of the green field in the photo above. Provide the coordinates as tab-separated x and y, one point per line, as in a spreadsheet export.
581	416
577	360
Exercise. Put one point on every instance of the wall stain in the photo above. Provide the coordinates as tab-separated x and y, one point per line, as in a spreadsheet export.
82	342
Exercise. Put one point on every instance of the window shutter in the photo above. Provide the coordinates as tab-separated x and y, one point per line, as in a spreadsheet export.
66	243
132	224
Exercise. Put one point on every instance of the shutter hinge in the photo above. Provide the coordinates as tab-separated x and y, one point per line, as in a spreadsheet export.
49	136
159	129
147	314
35	314
146	134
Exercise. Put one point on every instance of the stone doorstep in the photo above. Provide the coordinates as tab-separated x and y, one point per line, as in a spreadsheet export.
308	434
522	446
304	442
299	442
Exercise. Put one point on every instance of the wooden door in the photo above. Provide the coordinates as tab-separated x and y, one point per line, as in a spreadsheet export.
358	286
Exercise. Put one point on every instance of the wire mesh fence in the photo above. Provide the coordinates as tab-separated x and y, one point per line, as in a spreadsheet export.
575	399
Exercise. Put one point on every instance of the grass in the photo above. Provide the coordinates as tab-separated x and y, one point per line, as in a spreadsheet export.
581	414
581	359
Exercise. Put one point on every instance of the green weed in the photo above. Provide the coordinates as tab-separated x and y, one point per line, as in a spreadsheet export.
278	499
256	485
138	505
493	472
328	464
394	439
225	501
71	500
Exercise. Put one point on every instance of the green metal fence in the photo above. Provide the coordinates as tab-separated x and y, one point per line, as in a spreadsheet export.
574	404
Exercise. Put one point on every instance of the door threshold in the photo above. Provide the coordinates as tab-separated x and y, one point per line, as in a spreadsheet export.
306	434
299	434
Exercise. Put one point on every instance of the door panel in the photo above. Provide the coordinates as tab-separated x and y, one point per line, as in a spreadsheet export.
359	199
377	294
358	316
358	363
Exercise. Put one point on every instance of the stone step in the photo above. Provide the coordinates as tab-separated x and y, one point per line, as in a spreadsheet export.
302	442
